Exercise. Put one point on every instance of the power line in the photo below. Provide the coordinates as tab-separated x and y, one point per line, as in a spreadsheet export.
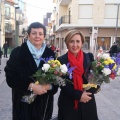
33	5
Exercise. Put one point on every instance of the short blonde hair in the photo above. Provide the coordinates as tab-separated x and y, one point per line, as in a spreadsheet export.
73	32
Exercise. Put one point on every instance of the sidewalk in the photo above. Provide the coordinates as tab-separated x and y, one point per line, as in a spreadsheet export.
2	74
107	100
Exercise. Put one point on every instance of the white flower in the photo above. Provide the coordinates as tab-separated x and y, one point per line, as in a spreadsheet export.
63	68
106	56
106	71
99	55
45	67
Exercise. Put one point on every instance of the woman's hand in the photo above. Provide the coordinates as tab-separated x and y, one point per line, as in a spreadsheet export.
38	89
47	86
85	97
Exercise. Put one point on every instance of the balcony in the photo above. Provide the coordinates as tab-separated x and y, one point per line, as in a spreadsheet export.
7	15
8	28
10	1
66	19
64	2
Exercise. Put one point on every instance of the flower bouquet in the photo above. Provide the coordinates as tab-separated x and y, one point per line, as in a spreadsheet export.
102	69
52	72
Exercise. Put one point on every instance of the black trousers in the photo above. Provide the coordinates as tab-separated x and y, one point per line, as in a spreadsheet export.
0	64
5	53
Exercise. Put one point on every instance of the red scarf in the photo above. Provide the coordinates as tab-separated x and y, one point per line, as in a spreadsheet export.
78	71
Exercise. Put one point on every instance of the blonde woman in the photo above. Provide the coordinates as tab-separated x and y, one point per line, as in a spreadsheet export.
74	103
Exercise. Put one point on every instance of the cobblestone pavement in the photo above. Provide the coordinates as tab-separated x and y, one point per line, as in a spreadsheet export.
5	95
107	100
5	102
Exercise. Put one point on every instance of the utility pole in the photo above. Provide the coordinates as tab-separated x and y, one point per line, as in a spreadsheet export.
116	30
94	40
0	23
16	28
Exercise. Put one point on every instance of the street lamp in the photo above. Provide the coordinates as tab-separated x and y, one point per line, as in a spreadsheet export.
117	23
16	31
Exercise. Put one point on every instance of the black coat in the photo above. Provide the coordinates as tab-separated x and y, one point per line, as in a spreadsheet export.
5	46
114	50
86	111
19	68
1	53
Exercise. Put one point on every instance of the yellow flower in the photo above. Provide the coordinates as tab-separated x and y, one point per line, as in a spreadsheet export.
36	82
57	62
111	61
114	67
89	85
54	63
50	61
106	62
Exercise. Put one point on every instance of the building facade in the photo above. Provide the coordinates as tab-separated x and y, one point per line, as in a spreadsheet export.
13	17
46	19
99	21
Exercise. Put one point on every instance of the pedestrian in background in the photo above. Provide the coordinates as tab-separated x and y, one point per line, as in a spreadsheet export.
100	50
74	103
57	48
24	61
57	51
5	47
53	48
114	50
0	57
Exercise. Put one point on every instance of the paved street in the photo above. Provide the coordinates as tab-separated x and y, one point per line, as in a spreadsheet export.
5	95
108	99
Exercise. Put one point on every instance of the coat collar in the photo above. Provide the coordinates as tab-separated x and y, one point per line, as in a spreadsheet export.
65	59
26	57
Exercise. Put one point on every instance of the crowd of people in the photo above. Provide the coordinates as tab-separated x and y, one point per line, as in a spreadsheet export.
74	103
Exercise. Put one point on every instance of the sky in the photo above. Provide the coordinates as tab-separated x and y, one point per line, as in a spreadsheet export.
36	9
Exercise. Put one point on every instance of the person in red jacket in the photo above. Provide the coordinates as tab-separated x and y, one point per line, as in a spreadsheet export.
53	47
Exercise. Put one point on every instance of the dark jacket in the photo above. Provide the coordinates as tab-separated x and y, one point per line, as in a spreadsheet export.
1	53
5	46
114	50
19	69
86	111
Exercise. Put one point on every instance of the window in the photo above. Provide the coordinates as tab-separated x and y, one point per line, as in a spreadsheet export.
110	11
7	11
85	11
